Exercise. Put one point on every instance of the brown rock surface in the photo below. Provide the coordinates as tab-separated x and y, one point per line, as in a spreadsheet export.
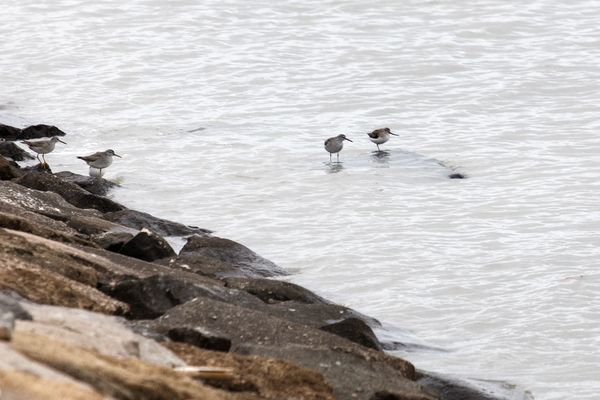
256	377
20	385
127	378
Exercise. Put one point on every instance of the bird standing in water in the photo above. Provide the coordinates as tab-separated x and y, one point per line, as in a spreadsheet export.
42	146
335	145
380	136
99	160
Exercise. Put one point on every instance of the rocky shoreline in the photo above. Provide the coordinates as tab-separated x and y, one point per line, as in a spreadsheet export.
95	303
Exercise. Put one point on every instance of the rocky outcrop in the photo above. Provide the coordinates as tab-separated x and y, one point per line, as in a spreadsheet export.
95	303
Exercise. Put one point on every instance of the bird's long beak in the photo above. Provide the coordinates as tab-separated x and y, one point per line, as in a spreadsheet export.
62	141
348	139
394	134
116	155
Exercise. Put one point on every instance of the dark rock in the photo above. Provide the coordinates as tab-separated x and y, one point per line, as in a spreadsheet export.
152	296
69	191
139	220
9	132
111	241
8	171
245	326
352	376
14	152
451	388
272	291
97	186
44	168
457	175
40	131
199	339
355	330
90	225
201	265
148	246
11	302
232	253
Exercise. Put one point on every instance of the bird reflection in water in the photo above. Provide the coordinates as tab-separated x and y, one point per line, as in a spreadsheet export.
382	156
334	168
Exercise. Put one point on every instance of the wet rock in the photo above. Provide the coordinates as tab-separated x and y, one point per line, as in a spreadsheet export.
87	225
152	296
245	326
147	245
111	241
9	132
139	220
72	193
259	376
272	291
202	265
452	388
199	339
39	131
8	171
355	330
93	185
351	376
234	254
14	152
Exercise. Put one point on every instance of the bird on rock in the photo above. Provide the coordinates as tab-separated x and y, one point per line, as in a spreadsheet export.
380	136
99	160
335	145
42	146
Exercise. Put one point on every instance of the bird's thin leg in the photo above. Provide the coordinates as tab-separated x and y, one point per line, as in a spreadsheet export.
45	163
378	149
329	158
38	158
338	156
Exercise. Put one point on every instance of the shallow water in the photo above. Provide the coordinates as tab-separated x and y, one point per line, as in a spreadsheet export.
220	110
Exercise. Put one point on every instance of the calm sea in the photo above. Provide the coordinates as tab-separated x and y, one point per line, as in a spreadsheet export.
220	109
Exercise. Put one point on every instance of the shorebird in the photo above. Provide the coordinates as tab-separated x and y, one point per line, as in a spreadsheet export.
380	136
99	160
335	145
42	146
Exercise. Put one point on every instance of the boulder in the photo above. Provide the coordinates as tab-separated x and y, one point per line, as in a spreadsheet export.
202	265
89	225
44	203
43	229
350	375
72	193
39	131
111	241
234	254
452	388
258	376
121	378
14	152
272	291
356	330
9	132
139	220
150	297
147	245
8	171
97	186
